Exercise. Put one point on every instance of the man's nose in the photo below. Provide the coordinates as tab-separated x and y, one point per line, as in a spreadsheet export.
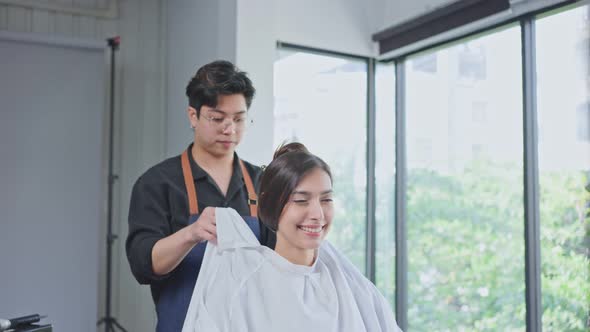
229	126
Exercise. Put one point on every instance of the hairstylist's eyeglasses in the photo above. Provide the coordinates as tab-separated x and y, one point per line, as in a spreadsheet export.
239	122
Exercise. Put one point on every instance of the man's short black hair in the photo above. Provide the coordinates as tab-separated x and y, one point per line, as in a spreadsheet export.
218	78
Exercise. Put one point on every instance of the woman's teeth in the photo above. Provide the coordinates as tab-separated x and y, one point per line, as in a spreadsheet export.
311	229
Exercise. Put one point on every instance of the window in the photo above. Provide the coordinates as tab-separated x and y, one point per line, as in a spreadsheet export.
464	212
425	63
479	110
464	177
472	61
564	168
321	101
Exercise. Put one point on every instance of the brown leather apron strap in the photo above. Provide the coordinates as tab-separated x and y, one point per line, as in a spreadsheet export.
252	197
189	182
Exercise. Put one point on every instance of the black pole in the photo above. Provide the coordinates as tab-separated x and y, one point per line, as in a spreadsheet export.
110	236
110	322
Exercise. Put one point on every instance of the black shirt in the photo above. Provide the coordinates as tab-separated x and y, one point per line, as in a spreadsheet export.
159	208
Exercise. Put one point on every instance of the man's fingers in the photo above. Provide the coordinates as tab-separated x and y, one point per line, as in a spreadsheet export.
211	228
208	232
208	237
206	227
209	211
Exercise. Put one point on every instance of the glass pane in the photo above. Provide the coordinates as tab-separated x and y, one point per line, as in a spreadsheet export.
563	102
465	192
321	101
385	180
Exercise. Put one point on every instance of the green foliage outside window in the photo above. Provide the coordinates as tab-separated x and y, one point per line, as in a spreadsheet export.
466	248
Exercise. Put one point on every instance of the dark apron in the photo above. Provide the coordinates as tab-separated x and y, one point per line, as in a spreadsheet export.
177	290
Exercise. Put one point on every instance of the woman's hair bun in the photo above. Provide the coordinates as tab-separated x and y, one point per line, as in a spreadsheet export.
288	148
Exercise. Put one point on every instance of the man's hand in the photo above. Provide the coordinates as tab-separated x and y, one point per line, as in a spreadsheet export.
171	250
205	228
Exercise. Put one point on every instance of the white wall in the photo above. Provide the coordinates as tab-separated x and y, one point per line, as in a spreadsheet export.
338	25
255	52
198	32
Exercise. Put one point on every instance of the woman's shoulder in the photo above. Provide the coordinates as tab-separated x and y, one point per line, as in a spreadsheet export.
329	254
339	265
370	303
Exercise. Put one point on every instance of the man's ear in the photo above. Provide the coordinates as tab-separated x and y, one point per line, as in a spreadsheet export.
191	112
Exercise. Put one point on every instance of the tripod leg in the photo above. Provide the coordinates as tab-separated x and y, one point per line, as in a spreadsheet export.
119	325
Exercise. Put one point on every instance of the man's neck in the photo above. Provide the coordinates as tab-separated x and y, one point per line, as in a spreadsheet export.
207	161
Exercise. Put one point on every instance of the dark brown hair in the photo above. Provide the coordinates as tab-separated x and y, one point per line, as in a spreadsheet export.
215	79
290	164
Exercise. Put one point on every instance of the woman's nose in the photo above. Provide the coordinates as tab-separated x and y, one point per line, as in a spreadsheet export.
315	210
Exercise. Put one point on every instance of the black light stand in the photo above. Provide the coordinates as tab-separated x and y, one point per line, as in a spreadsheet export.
110	322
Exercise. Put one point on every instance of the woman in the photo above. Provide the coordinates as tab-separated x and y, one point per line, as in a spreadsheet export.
304	284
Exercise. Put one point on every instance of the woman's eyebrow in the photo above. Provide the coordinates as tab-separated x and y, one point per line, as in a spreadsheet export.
307	193
301	192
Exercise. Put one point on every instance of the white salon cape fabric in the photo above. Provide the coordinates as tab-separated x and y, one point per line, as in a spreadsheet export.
244	286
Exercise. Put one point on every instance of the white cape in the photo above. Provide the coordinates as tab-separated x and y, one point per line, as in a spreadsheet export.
244	286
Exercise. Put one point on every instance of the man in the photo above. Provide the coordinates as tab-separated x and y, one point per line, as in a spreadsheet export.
172	215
